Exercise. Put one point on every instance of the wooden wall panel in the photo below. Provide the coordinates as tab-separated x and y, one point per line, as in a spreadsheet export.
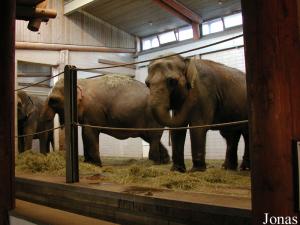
79	28
272	51
7	114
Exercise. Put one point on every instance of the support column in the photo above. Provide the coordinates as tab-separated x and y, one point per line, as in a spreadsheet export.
272	52
7	114
71	131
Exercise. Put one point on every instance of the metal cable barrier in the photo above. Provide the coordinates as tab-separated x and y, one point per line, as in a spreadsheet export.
40	132
34	84
208	126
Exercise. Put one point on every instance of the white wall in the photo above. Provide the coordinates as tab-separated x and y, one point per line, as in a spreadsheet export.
215	144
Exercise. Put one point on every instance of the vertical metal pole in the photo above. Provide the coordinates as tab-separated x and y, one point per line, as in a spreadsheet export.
71	133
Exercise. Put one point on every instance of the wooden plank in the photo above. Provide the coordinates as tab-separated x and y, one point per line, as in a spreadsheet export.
33	74
36	85
76	5
110	62
59	47
125	207
272	51
7	112
71	130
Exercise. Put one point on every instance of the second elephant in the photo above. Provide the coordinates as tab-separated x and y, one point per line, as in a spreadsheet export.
30	121
112	101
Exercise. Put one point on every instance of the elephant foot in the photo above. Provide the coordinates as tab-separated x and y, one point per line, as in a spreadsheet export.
163	158
94	162
229	166
198	166
178	168
245	165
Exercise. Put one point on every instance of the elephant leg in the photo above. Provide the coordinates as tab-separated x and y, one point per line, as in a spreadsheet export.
178	139
245	165
30	128
28	142
157	152
90	139
44	148
198	141
232	140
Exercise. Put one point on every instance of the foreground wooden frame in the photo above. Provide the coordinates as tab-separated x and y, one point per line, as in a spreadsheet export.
134	205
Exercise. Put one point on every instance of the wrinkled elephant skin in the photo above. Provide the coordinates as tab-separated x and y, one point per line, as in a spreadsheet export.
112	101
199	92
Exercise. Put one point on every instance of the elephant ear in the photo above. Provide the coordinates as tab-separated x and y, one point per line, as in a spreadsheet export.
191	72
80	93
47	111
29	107
80	96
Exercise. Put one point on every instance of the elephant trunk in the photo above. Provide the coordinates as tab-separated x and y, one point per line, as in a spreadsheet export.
162	115
48	113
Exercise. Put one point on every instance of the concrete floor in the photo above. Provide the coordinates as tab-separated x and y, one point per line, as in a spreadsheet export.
27	213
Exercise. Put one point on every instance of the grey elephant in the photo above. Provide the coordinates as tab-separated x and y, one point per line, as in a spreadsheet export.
199	92
30	121
115	101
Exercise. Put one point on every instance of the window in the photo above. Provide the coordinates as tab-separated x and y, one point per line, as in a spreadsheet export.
167	37
233	20
185	33
151	42
217	25
212	26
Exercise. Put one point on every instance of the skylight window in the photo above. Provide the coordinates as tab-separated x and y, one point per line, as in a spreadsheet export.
167	37
150	42
185	33
233	20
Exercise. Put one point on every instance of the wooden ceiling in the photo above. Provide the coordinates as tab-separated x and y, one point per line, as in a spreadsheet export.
144	17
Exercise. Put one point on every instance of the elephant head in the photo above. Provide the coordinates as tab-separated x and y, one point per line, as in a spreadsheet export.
25	106
172	82
55	102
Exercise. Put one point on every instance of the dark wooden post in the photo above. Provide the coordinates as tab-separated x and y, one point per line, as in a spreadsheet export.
7	112
272	51
71	131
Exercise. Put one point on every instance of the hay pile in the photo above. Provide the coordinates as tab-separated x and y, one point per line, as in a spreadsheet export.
142	173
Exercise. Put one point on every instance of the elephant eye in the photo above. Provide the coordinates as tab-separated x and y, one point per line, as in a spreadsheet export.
53	102
147	83
172	82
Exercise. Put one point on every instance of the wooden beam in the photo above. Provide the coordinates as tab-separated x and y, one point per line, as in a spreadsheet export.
182	12
33	74
71	130
27	13
131	205
7	112
59	47
23	84
76	5
113	63
272	51
34	24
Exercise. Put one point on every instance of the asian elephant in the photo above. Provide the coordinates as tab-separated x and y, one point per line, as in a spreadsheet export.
115	101
199	92
30	121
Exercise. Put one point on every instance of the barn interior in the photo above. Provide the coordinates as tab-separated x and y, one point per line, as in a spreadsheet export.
45	40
